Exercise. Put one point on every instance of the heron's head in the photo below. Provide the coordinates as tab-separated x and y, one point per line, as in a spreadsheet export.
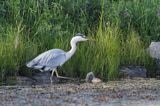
79	38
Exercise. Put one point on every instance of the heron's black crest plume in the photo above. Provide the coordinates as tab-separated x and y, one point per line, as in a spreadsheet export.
82	35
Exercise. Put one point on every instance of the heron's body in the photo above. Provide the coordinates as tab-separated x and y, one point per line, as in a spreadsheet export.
48	60
51	59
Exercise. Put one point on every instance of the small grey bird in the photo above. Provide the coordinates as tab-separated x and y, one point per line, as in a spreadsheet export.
52	59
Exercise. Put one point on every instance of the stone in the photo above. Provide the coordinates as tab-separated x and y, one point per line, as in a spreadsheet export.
90	76
22	80
154	50
96	80
133	71
44	78
157	61
40	78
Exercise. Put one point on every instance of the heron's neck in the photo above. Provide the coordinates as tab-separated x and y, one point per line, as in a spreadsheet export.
72	51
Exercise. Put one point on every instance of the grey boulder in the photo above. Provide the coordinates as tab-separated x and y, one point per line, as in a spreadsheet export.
154	50
133	71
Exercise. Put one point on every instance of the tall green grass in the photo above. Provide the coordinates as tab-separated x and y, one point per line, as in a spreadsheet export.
122	31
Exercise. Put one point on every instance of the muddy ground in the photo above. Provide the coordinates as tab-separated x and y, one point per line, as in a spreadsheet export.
139	92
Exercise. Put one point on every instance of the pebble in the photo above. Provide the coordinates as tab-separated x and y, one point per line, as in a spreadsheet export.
96	80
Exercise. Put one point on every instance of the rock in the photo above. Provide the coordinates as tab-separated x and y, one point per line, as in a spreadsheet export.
154	50
90	76
157	61
22	80
133	71
37	79
96	80
44	78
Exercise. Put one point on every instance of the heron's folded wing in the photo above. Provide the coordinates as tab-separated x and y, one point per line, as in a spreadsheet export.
51	58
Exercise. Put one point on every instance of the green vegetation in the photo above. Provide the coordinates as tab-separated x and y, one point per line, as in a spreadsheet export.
122	30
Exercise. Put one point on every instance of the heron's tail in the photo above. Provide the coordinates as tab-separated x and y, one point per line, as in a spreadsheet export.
34	65
29	64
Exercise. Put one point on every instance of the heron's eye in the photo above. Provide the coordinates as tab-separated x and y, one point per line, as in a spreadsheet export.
83	36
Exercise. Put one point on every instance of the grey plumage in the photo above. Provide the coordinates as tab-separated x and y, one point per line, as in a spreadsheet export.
48	60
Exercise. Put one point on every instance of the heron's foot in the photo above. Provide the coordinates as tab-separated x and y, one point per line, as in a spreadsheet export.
54	79
51	79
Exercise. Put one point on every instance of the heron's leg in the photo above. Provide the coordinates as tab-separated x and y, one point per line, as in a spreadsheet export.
52	75
62	76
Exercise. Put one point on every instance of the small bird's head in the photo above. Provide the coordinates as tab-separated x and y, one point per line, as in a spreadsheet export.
79	38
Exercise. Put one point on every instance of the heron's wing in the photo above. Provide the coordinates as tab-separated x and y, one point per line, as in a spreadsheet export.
51	58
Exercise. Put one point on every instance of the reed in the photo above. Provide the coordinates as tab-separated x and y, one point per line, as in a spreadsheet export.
122	31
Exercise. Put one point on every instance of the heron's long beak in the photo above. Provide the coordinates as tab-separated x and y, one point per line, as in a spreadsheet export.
91	39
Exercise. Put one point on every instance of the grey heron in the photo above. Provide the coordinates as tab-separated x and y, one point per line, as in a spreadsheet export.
52	59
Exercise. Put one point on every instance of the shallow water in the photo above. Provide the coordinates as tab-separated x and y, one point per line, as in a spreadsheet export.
139	92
